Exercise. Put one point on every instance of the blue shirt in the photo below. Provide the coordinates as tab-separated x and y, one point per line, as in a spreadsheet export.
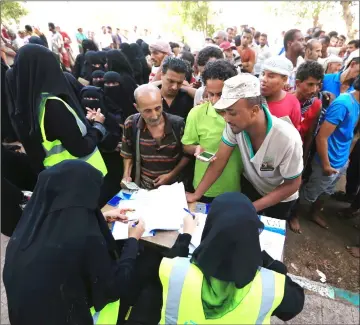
332	83
344	113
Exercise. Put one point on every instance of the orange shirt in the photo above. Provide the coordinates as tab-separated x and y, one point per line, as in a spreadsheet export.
246	54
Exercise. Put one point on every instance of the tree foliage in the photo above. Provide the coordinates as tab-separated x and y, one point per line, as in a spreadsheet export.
197	15
11	10
304	10
348	18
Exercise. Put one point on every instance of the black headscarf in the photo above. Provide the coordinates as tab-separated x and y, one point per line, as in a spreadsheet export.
134	60
98	98
113	119
58	255
79	66
36	71
92	58
98	74
120	98
36	40
75	84
7	130
230	248
118	62
89	45
145	48
145	70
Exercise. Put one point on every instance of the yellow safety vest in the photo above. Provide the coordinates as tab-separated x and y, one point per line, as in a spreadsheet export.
55	151
182	304
106	316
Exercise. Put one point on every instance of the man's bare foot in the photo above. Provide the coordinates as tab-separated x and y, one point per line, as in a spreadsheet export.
294	225
320	220
354	251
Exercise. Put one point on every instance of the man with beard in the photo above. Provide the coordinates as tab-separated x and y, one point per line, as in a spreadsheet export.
271	149
158	52
313	50
151	142
294	44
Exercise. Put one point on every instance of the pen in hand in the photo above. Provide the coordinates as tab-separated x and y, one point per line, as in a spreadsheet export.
189	212
135	224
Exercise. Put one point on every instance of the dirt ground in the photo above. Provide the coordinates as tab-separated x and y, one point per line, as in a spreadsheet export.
325	250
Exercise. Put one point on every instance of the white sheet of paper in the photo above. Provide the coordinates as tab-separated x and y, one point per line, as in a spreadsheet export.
120	230
162	208
272	243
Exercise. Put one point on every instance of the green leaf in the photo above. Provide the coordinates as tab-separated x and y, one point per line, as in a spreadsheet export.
12	10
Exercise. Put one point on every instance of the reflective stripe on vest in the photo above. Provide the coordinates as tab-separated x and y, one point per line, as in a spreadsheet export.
182	282
106	316
55	151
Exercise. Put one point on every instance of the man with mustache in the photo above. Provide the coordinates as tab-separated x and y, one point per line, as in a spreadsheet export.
175	100
158	52
151	143
271	149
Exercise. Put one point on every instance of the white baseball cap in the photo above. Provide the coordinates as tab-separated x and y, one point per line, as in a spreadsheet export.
278	64
331	59
243	85
353	55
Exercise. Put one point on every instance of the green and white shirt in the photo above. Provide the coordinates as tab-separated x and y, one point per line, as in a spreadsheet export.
278	158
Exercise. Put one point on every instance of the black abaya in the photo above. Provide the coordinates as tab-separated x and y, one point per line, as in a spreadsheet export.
61	259
108	145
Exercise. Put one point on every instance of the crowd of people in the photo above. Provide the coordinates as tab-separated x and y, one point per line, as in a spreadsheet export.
278	127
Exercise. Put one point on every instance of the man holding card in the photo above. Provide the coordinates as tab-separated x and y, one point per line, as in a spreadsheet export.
271	149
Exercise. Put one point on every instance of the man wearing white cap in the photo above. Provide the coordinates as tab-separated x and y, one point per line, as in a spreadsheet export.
332	64
271	149
159	51
341	82
275	74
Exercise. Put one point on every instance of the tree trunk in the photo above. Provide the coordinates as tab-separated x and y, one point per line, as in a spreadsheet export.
348	18
316	20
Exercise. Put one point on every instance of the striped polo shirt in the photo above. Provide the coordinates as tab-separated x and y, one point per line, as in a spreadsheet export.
157	157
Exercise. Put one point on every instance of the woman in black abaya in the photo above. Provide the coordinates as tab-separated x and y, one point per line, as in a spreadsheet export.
87	45
93	62
131	55
36	76
144	65
93	98
97	78
62	258
119	95
75	85
228	256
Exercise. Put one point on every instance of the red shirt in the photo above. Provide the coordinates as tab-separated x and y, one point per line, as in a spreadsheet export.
65	35
309	117
288	106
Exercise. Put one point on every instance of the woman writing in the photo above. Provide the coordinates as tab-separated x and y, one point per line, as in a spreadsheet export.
62	259
228	280
49	119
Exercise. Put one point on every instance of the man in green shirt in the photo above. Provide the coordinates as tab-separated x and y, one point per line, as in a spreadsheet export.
204	128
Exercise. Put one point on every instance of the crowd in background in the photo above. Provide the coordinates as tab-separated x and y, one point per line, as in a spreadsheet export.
280	125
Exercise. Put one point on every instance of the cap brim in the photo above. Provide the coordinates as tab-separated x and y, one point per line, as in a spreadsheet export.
224	103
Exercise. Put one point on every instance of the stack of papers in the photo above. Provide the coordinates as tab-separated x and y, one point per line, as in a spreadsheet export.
161	209
272	238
